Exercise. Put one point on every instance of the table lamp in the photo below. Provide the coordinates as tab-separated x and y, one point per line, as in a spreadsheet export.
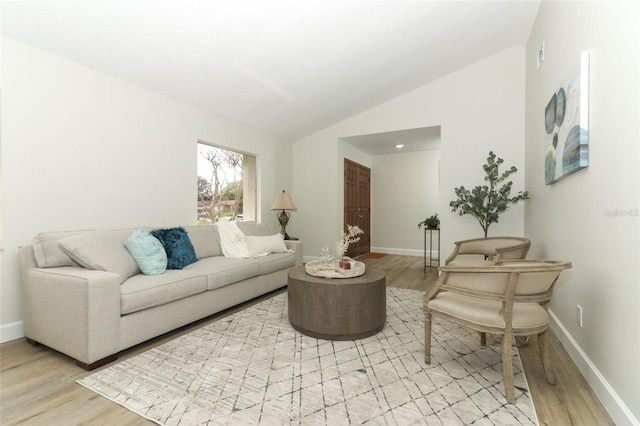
283	202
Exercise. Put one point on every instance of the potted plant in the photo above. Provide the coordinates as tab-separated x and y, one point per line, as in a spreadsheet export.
432	222
487	203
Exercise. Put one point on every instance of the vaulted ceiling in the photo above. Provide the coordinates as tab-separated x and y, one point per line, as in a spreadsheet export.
287	68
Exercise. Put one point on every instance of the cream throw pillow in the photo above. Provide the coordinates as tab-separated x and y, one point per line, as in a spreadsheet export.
100	250
47	252
263	245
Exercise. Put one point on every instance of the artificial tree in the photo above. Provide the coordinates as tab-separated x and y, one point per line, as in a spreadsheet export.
487	203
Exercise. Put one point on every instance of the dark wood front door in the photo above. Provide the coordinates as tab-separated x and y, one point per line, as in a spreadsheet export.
357	204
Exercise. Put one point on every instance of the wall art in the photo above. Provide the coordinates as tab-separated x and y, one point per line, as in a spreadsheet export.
566	123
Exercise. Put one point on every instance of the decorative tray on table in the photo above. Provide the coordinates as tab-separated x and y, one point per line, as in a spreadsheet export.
335	268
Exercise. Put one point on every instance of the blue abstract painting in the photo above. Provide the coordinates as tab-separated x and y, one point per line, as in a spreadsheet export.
566	124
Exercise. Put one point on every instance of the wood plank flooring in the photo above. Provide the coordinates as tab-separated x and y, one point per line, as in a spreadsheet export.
37	384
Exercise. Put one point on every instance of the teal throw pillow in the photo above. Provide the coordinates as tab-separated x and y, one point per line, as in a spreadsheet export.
148	252
177	245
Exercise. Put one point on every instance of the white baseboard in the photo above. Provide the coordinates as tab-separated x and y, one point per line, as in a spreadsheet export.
401	252
11	331
613	404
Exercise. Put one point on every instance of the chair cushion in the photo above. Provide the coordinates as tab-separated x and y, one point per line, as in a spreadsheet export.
486	313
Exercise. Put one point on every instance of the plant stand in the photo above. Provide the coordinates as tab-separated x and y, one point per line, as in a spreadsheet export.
429	262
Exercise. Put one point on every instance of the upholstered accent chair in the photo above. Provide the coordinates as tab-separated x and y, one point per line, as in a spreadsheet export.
490	249
508	298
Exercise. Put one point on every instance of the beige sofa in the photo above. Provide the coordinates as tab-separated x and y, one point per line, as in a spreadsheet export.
92	314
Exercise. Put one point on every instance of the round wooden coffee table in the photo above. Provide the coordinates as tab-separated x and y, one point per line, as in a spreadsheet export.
337	308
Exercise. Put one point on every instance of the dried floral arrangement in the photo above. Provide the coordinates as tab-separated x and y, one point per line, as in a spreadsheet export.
349	237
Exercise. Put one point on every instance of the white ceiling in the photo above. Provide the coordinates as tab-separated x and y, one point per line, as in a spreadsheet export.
412	140
288	68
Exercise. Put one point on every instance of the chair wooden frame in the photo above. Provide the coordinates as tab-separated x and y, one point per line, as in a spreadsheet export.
493	248
514	293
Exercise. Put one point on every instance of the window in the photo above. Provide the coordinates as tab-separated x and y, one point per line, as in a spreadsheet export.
226	185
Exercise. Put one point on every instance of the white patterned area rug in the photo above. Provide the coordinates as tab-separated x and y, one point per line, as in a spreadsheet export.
253	368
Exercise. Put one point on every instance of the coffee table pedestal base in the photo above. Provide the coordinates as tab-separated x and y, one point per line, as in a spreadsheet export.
337	309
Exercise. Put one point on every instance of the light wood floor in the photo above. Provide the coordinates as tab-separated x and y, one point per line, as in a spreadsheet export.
37	385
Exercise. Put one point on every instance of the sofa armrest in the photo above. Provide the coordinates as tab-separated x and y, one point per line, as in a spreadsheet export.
73	310
296	246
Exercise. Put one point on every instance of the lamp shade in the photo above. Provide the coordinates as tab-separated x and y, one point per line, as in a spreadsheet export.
283	202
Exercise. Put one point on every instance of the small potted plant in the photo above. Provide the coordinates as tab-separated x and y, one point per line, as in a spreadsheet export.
432	222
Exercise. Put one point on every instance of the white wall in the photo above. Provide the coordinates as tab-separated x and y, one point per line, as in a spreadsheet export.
480	108
572	219
404	192
81	149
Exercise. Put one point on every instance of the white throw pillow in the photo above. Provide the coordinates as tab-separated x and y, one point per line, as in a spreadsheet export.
262	245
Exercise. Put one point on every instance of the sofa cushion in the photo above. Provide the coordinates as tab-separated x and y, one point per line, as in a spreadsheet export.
146	291
275	262
47	252
223	271
261	245
100	250
177	245
147	252
205	240
253	228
